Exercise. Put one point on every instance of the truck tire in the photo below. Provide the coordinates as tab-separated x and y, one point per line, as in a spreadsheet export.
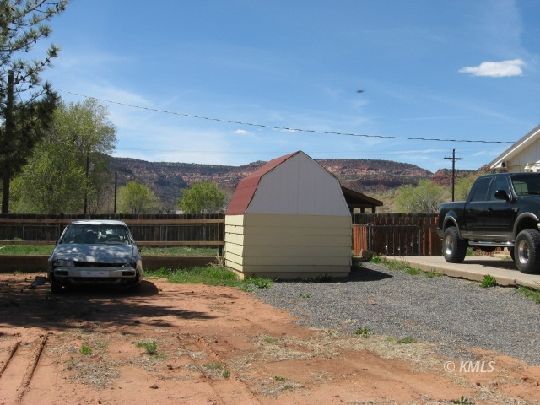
454	248
56	287
527	251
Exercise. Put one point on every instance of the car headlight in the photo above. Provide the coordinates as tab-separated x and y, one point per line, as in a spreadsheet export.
63	263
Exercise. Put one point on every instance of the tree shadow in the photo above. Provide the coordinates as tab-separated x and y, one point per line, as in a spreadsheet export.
23	306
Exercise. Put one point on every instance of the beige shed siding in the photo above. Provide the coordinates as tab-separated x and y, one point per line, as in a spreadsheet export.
289	246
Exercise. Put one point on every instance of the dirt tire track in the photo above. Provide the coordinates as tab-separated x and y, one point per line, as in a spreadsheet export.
203	344
205	347
31	369
10	356
199	368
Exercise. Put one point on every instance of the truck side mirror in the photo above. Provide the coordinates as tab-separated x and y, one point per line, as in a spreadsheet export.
502	195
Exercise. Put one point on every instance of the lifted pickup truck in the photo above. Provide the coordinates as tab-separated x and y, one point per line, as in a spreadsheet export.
502	210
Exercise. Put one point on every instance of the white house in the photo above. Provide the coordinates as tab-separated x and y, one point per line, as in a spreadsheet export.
522	156
289	219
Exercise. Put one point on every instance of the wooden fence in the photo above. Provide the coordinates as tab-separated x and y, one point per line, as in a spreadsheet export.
396	234
147	230
388	234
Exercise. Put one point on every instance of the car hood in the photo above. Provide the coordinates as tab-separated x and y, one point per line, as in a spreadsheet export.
94	253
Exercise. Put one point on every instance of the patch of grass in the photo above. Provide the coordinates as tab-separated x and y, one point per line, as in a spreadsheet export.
305	295
150	347
270	339
363	332
462	401
21	250
145	251
226	373
85	349
530	293
178	251
279	378
406	340
488	281
211	275
401	266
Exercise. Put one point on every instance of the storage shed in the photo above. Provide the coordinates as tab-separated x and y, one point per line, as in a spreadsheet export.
289	219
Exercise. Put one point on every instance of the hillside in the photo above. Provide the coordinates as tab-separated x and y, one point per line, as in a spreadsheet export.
366	175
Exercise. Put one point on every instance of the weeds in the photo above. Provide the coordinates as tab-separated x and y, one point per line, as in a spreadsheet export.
85	349
363	332
530	293
226	373
150	347
270	339
279	378
305	295
488	281
462	401
406	340
401	266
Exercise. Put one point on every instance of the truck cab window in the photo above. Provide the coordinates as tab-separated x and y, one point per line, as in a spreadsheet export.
526	184
499	183
480	189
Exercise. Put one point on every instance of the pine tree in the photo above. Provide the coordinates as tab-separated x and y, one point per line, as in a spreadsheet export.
25	102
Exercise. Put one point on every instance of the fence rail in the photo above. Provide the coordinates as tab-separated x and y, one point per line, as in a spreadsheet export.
147	230
396	234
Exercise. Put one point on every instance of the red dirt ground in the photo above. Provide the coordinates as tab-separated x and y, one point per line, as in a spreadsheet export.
215	345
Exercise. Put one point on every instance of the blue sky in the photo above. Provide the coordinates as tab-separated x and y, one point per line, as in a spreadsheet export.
449	69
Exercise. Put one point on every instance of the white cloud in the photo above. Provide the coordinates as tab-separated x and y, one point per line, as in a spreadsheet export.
242	132
505	68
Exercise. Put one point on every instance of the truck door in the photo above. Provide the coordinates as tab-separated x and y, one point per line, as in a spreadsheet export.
501	213
476	209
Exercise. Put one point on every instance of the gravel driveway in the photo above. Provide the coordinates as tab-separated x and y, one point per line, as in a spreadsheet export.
454	313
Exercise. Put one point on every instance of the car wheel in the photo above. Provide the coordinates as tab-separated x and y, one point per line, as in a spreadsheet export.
454	248
56	286
527	251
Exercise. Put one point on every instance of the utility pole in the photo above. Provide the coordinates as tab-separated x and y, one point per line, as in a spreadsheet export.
453	159
87	176
115	186
6	175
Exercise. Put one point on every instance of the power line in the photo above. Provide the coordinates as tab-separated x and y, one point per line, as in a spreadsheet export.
282	128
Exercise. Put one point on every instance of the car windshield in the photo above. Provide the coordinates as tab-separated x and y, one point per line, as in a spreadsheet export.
526	184
95	234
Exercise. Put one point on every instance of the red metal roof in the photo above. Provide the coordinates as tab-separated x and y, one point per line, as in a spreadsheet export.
248	185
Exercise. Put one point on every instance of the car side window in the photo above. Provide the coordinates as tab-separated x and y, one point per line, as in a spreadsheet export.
480	189
499	183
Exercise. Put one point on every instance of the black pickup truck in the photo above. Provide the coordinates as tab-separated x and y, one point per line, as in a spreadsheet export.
502	210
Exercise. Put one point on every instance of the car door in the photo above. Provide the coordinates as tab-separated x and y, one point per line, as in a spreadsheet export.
477	210
501	213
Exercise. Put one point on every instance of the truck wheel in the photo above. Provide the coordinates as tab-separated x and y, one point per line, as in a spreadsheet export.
527	251
56	287
454	248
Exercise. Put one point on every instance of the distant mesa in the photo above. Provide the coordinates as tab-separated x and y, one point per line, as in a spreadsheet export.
365	175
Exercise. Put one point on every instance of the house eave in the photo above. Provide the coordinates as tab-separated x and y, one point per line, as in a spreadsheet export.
516	147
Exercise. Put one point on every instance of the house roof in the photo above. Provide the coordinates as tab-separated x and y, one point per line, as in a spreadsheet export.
248	185
522	143
356	199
